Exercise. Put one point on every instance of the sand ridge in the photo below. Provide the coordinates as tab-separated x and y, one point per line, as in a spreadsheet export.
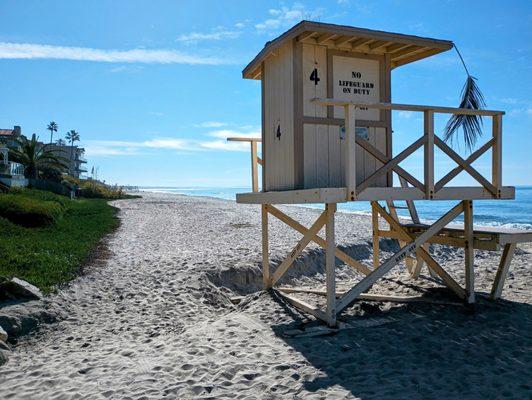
155	321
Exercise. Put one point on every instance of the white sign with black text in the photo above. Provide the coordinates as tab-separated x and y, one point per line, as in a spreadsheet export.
356	79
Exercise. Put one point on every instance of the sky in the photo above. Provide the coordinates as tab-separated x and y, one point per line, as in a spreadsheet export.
155	87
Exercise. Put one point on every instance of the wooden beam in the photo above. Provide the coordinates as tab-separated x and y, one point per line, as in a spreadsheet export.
375	235
339	195
326	36
414	56
395	47
344	40
406	107
409	203
469	254
330	270
406	51
391	163
467	167
378	44
319	195
502	271
359	43
350	151
428	164
265	248
300	304
254	168
299	247
496	156
305	35
469	160
358	266
379	272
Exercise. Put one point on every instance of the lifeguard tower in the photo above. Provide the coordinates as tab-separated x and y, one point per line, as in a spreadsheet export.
327	138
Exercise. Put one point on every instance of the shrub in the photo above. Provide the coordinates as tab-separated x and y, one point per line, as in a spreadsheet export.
29	212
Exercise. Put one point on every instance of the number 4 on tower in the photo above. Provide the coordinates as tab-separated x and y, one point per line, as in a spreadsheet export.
314	76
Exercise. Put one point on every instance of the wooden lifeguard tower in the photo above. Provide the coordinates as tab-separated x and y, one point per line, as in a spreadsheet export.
327	138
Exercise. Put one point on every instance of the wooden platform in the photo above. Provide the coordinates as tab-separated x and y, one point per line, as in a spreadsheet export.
340	195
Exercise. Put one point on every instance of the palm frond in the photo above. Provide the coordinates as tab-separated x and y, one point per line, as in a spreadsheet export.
471	125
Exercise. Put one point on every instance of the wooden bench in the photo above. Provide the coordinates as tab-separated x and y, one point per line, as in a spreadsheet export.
484	238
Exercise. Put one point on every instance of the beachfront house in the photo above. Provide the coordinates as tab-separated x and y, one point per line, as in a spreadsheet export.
74	156
11	173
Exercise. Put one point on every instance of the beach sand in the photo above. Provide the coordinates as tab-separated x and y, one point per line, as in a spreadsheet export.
155	319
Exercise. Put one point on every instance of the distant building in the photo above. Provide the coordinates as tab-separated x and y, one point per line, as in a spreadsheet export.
8	137
75	158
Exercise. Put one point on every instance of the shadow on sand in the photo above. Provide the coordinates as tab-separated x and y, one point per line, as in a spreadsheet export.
424	351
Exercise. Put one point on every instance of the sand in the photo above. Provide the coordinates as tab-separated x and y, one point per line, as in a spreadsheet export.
155	320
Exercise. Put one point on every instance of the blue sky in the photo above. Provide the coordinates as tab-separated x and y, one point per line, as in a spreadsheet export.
153	87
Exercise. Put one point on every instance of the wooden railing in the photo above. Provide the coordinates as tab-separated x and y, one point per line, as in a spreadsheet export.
255	159
429	140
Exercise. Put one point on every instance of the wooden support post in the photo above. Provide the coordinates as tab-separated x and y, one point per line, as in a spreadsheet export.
496	157
265	248
375	227
254	167
469	252
350	149
330	269
504	266
428	121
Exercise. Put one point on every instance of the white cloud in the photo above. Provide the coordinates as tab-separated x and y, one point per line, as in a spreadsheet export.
127	148
285	17
210	124
43	51
217	35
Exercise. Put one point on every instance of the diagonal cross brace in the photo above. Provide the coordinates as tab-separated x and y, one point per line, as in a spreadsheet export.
468	168
318	240
299	247
385	267
424	254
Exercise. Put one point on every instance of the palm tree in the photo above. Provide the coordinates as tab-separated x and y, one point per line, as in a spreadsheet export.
60	142
72	136
52	127
36	157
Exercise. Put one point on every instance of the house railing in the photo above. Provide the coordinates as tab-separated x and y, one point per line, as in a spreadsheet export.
12	168
255	159
428	141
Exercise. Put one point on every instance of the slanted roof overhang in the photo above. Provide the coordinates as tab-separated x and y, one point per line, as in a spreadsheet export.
403	49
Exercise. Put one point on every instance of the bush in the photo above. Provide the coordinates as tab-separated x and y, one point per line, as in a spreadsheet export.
92	189
29	212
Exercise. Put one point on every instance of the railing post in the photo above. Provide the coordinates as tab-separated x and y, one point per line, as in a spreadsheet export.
496	155
265	248
330	271
428	122
254	163
350	152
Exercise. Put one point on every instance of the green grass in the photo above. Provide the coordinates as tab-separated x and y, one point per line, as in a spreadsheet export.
51	255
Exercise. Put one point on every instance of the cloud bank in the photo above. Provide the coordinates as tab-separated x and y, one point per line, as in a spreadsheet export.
43	51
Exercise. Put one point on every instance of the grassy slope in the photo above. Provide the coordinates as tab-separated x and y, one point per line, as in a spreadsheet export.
52	255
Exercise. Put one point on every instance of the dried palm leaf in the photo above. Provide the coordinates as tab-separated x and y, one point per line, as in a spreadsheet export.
471	124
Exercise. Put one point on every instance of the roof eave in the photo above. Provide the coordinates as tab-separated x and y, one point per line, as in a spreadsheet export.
252	70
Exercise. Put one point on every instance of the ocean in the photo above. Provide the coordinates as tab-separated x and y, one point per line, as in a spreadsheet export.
506	213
